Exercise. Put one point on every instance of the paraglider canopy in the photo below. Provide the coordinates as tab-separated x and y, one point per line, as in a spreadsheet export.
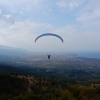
49	34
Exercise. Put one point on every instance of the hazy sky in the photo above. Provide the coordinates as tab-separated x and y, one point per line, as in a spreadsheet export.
76	21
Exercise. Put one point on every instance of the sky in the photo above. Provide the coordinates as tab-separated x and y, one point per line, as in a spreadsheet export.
76	21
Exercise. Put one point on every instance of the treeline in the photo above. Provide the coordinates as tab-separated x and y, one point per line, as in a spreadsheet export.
21	87
57	72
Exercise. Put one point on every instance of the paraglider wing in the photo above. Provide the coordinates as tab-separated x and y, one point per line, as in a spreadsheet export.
47	34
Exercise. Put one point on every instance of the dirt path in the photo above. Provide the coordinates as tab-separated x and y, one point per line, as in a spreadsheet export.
29	85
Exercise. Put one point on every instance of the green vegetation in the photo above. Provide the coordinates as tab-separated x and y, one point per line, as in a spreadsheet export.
70	71
21	87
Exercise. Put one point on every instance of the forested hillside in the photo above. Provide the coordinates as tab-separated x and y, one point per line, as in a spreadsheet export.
20	87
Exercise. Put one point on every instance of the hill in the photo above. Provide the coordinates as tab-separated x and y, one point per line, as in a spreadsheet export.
11	51
20	87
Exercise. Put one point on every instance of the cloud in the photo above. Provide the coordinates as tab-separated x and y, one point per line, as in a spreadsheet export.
22	5
9	19
22	34
76	38
89	16
70	4
6	19
49	26
22	21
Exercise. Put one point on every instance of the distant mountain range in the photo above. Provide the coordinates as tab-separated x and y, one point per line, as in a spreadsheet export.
11	51
89	54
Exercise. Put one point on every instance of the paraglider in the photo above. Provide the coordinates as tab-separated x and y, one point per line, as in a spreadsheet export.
48	56
49	34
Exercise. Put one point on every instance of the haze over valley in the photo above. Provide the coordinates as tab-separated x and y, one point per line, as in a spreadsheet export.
60	64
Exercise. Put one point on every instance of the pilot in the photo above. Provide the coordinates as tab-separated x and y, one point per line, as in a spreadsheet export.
48	56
